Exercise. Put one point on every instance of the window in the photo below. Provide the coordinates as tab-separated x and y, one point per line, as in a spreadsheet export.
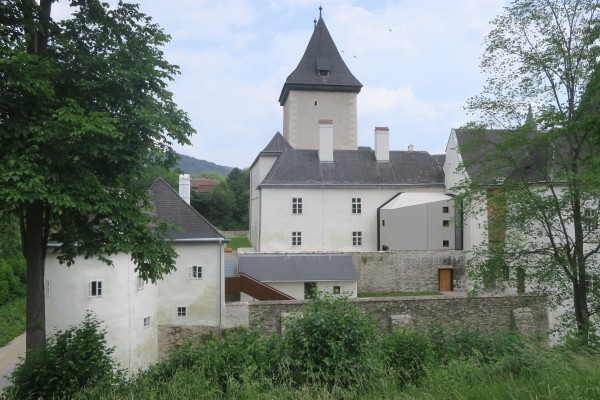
323	72
445	222
141	283
95	289
383	222
336	290
147	322
590	219
47	287
296	238
445	210
446	243
195	272
356	205
356	238
182	312
297	205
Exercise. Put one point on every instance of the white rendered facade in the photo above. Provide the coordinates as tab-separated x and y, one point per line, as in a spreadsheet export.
124	304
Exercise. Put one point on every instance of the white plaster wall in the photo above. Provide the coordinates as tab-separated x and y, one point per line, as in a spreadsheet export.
301	116
257	174
326	221
452	162
346	288
121	308
204	298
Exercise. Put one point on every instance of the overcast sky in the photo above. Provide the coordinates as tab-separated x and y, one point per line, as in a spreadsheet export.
418	62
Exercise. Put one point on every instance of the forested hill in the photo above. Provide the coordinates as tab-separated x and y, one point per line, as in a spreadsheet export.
191	165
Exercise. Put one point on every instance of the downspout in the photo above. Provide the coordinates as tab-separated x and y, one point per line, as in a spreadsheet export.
221	272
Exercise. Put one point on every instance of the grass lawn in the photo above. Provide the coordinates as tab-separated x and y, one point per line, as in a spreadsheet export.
399	294
12	320
238	242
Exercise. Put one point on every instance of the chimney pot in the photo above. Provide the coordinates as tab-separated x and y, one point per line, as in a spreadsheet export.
184	187
326	140
382	144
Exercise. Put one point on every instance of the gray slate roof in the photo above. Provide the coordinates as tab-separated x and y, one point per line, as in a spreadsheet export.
298	267
490	154
277	145
231	267
355	168
321	53
171	208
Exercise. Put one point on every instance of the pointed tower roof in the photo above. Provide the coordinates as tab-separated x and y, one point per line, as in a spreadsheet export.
277	144
321	67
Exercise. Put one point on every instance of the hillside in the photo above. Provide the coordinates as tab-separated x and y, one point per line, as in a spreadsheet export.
191	165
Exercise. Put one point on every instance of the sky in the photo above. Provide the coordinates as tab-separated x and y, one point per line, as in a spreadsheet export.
418	62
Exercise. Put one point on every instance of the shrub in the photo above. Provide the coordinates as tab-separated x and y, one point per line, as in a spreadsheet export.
329	342
12	279
407	353
70	360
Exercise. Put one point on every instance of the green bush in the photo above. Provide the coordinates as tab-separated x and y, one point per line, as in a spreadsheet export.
71	360
407	353
330	342
12	279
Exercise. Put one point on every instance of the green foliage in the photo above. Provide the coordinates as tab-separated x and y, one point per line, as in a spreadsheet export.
226	205
193	166
12	279
541	100
408	352
12	320
329	342
71	360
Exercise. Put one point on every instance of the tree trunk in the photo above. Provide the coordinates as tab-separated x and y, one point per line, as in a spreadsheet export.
35	242
34	224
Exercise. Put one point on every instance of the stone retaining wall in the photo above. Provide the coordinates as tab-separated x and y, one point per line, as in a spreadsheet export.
408	270
232	234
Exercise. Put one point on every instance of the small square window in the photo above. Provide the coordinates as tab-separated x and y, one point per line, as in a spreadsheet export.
336	290
182	312
445	210
195	272
356	205
356	238
297	205
95	289
147	322
296	238
445	222
446	243
140	283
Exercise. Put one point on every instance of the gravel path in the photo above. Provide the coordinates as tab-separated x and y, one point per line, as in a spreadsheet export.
9	357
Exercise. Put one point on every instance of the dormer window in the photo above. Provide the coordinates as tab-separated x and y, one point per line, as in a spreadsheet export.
323	72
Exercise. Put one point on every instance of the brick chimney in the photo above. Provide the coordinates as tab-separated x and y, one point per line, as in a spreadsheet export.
184	187
326	140
382	144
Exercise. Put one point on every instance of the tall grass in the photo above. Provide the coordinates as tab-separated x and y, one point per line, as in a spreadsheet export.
12	320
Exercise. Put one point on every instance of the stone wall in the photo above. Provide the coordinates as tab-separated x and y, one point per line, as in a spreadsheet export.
408	270
232	234
488	314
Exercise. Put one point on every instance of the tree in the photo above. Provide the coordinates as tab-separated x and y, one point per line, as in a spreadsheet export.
84	110
540	58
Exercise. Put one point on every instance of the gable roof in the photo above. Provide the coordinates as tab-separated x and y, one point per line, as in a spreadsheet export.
277	145
320	54
491	156
353	168
170	207
298	267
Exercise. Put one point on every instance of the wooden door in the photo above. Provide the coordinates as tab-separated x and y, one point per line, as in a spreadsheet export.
445	276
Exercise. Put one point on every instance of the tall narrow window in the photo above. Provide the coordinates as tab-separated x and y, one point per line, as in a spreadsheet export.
590	219
95	289
195	272
356	205
297	205
356	238
147	322
296	238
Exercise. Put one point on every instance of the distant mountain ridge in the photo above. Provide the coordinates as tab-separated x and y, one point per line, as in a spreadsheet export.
191	165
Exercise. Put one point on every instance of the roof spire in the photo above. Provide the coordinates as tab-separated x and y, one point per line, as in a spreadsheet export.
320	10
